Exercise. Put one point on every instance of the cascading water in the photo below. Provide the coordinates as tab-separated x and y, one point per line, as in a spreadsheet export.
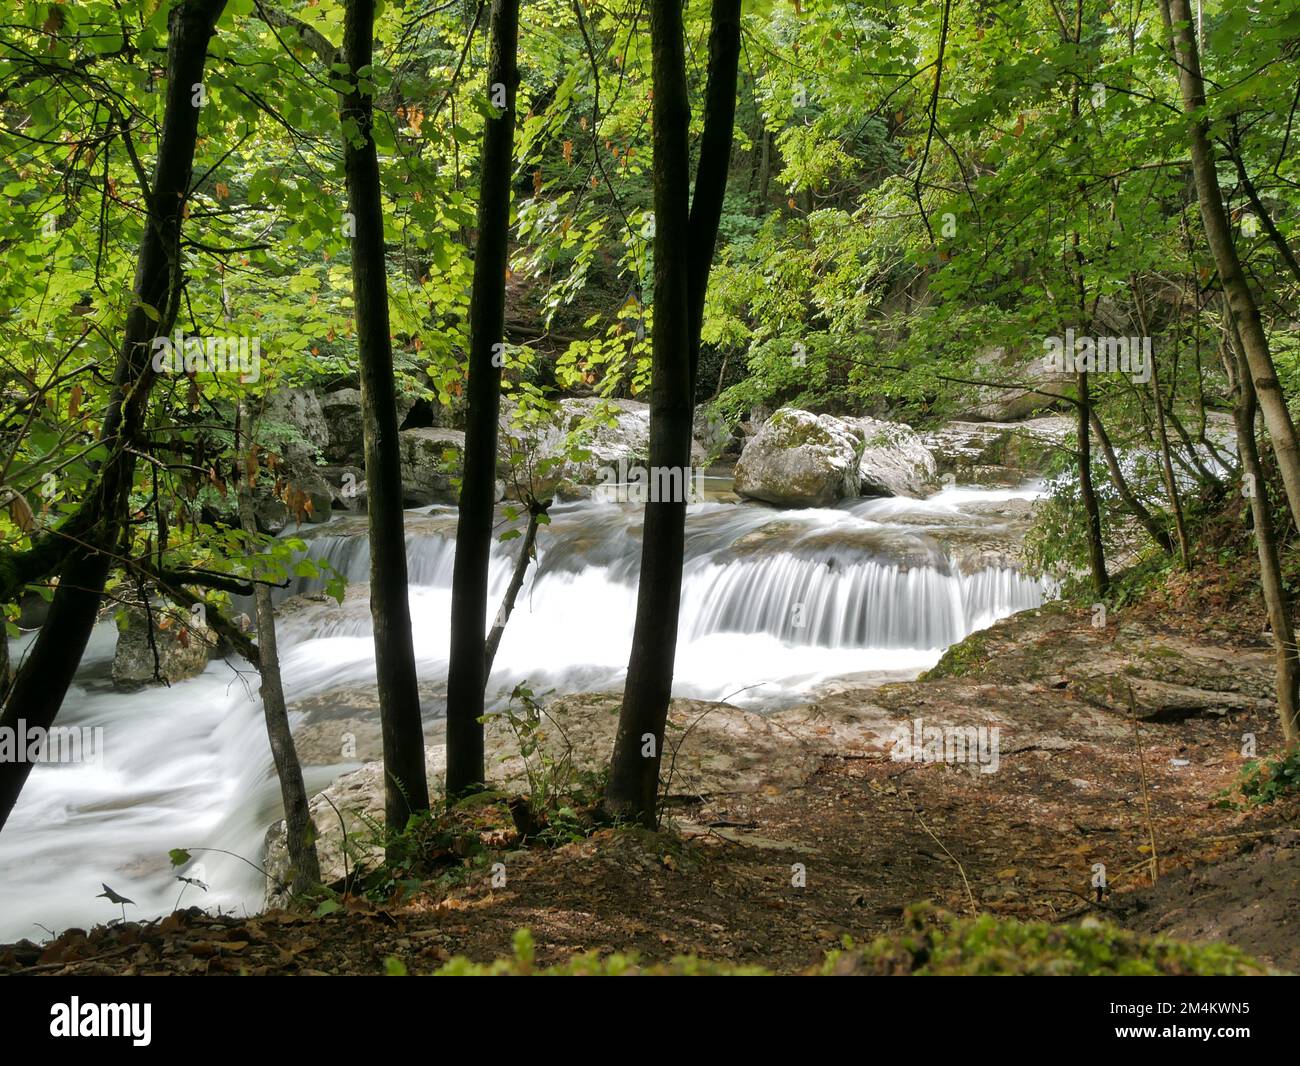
774	603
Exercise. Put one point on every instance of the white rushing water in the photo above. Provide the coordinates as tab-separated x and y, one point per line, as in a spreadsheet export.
774	603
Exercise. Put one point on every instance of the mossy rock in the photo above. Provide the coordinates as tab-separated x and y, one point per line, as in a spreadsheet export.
961	659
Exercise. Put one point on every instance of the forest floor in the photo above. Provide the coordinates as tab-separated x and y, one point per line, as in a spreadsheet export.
776	875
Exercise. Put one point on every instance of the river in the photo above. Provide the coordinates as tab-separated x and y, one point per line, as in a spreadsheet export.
775	603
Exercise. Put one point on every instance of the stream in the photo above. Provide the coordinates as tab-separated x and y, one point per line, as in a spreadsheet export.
774	605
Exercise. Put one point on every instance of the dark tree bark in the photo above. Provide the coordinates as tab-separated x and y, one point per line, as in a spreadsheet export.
512	590
1091	510
38	691
1218	234
1162	436
714	163
466	677
299	829
406	788
684	244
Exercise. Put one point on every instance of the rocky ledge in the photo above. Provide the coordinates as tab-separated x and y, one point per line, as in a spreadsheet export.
1050	683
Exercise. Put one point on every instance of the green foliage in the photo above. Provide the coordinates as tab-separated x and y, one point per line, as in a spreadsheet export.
1265	781
589	964
549	775
934	944
560	796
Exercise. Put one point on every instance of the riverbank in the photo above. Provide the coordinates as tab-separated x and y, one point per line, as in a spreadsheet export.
811	831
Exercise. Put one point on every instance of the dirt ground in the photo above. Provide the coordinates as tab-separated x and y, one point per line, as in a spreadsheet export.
776	876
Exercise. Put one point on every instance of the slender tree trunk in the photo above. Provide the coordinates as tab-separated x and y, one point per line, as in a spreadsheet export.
714	164
1136	507
684	244
1193	464
1218	234
1167	467
406	786
512	591
38	690
299	829
1265	218
1092	512
1276	601
466	676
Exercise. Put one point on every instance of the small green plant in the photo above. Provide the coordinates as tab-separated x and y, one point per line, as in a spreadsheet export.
557	808
1263	781
549	775
434	844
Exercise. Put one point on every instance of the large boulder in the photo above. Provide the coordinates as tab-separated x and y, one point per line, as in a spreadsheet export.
895	460
341	412
1037	388
799	459
431	459
715	438
997	452
300	493
183	642
614	434
301	411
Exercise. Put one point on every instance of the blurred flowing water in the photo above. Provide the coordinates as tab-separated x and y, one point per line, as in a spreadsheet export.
773	604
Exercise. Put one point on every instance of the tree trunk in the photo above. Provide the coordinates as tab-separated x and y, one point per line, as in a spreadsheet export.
1276	602
466	677
299	830
406	788
1117	478
1218	234
1096	551
1265	217
714	164
38	690
1167	468
683	251
1092	512
512	590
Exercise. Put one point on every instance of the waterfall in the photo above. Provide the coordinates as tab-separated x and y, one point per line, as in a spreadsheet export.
773	604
